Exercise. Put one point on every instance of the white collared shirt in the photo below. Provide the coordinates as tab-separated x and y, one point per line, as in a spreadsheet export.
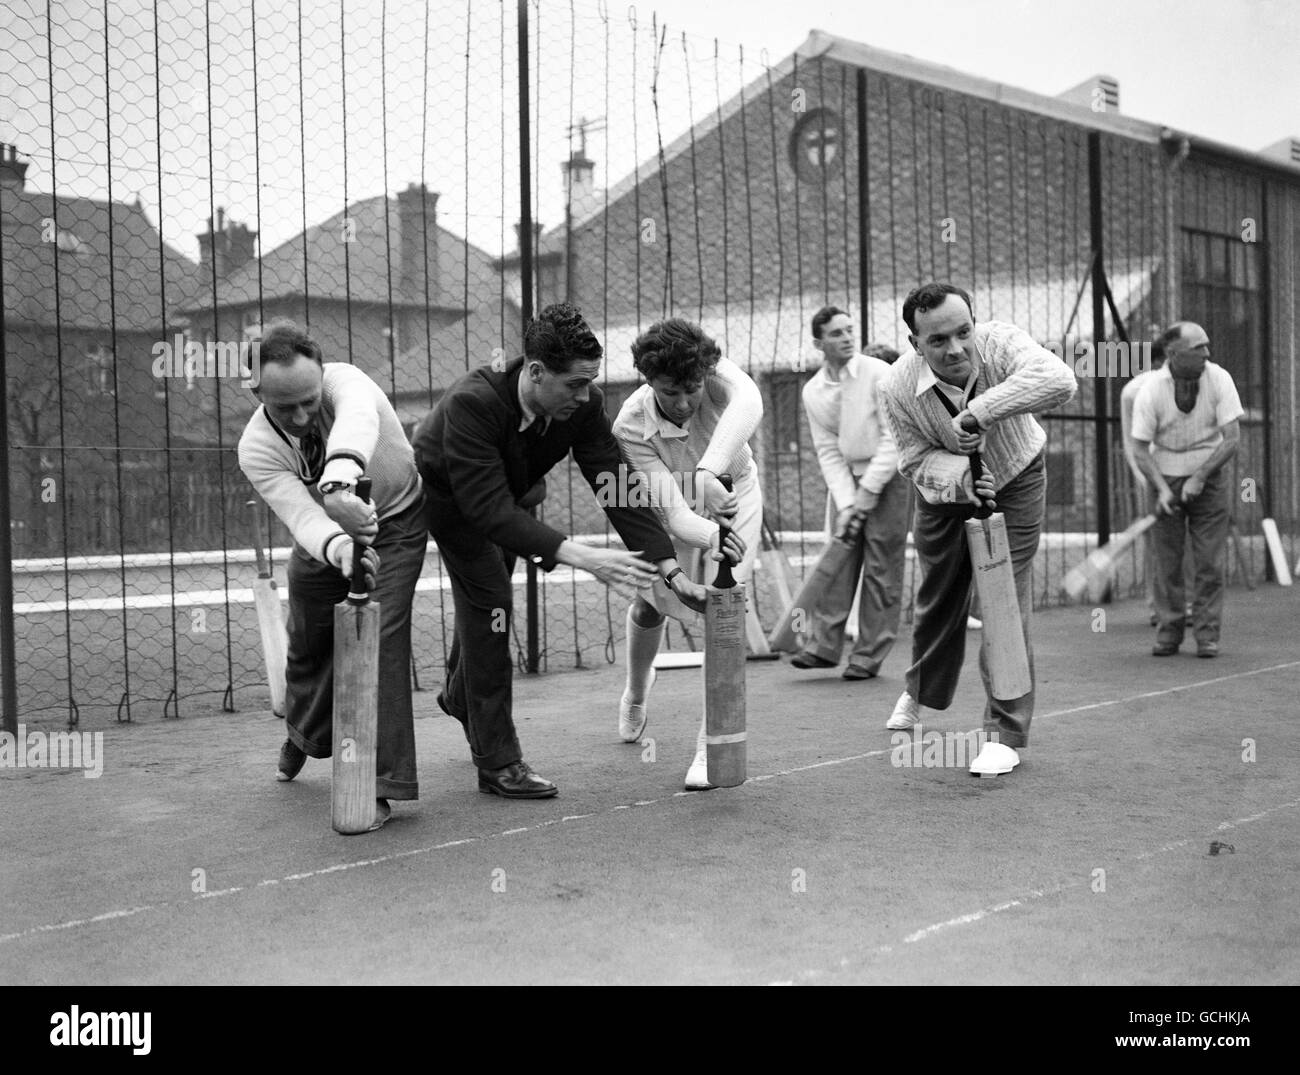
530	415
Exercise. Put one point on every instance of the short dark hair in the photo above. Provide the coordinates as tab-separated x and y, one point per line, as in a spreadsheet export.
283	343
677	349
925	298
822	316
882	352
558	337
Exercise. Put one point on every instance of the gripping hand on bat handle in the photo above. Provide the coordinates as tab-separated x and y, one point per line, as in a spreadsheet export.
732	547
713	498
970	437
978	486
356	515
341	555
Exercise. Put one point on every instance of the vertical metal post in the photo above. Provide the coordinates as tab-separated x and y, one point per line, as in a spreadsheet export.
8	665
864	216
1101	384
526	283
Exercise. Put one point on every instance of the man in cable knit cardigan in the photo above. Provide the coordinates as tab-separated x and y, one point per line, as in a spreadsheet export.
965	388
321	426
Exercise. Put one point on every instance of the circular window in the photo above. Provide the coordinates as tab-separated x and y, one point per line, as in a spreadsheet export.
817	145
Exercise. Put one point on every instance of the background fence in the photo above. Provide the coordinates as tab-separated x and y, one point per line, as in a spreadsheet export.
174	176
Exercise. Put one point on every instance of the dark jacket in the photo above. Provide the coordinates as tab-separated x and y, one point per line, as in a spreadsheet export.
476	465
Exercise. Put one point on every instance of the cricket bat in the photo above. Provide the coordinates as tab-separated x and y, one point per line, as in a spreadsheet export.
995	582
270	618
1093	575
356	700
795	620
1274	542
724	674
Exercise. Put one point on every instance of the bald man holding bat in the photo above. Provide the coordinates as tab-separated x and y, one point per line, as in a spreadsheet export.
966	388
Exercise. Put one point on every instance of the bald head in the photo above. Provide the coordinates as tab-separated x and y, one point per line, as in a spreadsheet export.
1187	349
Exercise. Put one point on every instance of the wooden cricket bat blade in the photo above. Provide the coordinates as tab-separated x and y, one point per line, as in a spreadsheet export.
275	639
356	716
1003	639
724	686
1274	541
1092	576
795	620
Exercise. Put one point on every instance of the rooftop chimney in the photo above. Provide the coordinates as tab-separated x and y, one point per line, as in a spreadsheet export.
228	246
1100	93
579	173
417	224
1287	150
537	235
13	172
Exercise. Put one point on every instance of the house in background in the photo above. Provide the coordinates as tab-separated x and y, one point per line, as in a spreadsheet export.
382	285
87	289
849	175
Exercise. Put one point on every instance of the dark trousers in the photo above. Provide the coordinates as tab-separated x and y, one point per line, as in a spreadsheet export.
314	590
1205	520
879	557
944	596
480	675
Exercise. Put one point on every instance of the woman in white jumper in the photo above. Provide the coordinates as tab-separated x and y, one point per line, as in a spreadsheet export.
686	426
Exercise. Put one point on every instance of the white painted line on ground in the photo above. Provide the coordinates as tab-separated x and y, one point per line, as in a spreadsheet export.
393	856
1029	897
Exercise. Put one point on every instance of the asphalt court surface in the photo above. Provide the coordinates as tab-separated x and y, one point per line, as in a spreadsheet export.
187	862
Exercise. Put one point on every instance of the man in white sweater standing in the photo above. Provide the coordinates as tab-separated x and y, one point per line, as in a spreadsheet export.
966	388
321	426
859	463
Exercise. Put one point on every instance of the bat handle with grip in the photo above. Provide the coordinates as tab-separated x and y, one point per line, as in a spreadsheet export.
725	580
259	540
358	595
976	473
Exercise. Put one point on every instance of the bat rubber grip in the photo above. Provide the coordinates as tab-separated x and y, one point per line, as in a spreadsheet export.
359	595
976	473
725	580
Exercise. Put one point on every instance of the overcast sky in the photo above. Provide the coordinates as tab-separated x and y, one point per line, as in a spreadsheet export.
1228	70
431	92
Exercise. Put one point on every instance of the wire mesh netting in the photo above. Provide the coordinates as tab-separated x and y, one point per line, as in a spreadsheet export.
176	176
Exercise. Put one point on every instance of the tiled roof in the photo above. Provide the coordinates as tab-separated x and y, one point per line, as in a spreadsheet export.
40	228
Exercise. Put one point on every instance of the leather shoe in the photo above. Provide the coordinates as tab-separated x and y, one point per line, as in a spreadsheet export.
382	813
292	759
810	660
1164	649
854	671
515	781
1207	649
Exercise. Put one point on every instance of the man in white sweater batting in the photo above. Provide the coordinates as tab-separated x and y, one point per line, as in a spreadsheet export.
966	388
689	424
320	427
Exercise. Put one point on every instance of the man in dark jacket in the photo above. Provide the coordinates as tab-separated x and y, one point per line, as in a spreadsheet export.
484	452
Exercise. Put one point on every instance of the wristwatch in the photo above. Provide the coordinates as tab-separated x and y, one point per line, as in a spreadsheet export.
333	487
668	578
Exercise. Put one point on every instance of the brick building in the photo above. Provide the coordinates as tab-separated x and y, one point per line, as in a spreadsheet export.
847	174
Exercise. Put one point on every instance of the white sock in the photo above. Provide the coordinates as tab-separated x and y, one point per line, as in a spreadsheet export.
642	646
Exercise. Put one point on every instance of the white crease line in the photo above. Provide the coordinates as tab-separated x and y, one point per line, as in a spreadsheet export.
5	938
1037	894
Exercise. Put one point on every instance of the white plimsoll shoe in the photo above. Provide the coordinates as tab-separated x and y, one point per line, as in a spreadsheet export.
994	759
632	719
697	776
974	623
907	712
